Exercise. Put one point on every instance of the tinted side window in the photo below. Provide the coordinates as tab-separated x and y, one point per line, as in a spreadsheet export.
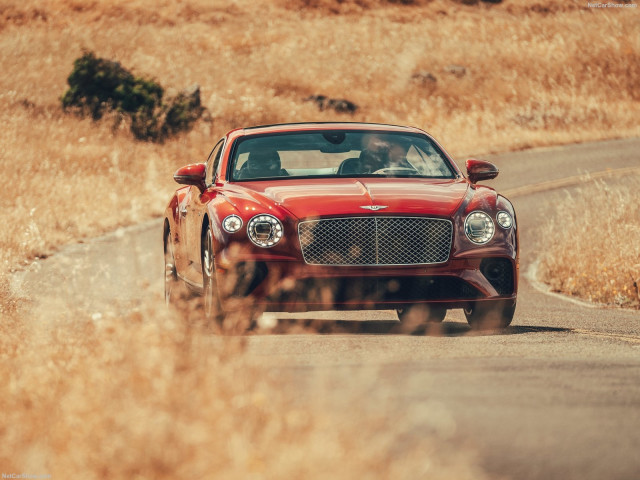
213	161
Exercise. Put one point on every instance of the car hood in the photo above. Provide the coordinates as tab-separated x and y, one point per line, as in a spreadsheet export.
335	197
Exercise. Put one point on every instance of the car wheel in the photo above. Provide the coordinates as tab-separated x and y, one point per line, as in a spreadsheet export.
171	282
212	305
490	315
420	314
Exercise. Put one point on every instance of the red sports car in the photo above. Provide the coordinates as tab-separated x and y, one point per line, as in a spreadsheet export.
342	216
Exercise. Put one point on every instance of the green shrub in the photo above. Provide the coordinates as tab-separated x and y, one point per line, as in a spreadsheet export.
182	111
97	85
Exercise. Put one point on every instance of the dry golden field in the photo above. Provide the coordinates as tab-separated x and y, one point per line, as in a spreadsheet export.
593	248
538	73
146	395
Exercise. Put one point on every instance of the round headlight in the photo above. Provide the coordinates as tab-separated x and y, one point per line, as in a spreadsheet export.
264	230
479	227
504	220
232	223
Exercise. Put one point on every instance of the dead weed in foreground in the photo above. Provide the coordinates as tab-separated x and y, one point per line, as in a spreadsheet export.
153	395
593	250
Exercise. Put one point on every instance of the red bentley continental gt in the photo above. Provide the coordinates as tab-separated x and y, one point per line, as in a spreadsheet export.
342	216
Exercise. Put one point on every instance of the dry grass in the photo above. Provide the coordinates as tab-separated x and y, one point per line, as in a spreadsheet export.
152	395
551	72
594	251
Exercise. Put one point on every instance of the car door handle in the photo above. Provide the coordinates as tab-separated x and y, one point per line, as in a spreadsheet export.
183	211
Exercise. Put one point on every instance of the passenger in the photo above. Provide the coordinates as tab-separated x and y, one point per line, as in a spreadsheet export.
261	164
370	161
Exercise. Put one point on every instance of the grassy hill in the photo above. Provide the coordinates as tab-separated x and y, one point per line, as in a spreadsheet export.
483	77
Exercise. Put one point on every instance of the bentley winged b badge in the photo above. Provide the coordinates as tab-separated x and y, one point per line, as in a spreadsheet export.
375	208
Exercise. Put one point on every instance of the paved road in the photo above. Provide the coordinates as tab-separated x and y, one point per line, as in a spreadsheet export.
556	396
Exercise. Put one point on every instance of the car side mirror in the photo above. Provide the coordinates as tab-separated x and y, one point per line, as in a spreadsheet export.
191	175
478	170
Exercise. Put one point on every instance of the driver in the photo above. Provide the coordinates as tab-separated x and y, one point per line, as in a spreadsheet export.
373	156
397	156
383	156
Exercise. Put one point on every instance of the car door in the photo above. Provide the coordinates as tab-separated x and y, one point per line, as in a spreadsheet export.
193	218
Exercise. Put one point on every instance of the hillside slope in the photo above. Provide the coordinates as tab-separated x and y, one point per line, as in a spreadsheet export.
481	78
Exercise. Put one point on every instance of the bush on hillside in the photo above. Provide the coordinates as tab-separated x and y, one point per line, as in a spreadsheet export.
98	85
182	111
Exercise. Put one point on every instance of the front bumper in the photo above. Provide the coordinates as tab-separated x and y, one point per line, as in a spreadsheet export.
280	284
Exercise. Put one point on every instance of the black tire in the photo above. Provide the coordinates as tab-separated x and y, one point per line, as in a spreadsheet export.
211	297
421	314
490	315
171	282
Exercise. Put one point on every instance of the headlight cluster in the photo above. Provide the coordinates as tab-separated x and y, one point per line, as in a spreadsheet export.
479	227
264	230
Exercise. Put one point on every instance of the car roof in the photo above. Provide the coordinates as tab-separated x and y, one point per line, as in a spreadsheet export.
311	126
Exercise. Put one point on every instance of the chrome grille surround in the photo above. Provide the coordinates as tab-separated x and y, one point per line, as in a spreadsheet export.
375	240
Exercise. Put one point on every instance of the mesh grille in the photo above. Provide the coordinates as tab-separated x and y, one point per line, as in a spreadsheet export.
375	241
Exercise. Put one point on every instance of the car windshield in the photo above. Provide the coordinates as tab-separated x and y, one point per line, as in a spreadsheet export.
337	153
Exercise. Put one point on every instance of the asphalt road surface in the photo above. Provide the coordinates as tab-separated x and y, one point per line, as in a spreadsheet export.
555	396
